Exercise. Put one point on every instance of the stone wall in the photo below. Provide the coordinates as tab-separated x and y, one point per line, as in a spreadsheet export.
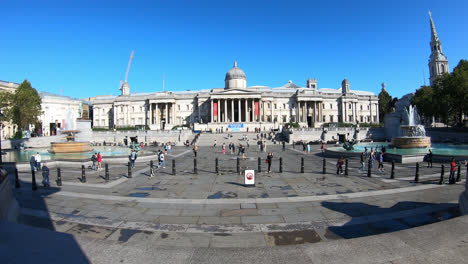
9	208
447	135
34	142
143	136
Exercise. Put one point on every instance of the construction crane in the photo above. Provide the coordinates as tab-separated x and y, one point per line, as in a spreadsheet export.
128	67
126	74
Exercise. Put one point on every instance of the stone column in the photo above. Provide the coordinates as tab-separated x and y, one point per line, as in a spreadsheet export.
225	111
232	110
173	105
377	113
211	111
370	109
239	112
115	116
218	119
247	119
253	111
260	119
166	113
198	107
271	112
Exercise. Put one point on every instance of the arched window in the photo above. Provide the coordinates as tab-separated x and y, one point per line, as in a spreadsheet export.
443	68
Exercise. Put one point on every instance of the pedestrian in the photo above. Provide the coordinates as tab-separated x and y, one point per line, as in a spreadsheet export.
239	149
132	157
363	161
169	147
243	153
32	162
195	150
99	161
372	157
94	160
233	148
165	148
38	161
269	160
304	147
214	145
381	156
429	158
45	175
339	166
161	158
308	148
264	145
248	145
224	148
453	168
322	149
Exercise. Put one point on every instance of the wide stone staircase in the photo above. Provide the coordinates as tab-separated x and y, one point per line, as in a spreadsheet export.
208	139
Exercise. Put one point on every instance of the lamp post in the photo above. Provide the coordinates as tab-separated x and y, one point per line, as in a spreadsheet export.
1	128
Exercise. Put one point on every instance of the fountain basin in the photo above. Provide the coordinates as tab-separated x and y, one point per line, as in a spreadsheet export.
411	142
70	147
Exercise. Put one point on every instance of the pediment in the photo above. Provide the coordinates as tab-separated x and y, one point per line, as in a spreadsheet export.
236	91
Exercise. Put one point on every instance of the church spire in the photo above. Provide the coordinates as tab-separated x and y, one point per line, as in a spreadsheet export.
438	63
434	36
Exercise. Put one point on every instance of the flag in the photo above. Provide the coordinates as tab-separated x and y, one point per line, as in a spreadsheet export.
215	109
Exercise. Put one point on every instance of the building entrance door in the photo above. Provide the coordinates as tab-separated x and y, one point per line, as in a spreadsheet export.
309	121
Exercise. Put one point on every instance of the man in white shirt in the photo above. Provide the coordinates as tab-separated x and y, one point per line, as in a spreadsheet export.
38	161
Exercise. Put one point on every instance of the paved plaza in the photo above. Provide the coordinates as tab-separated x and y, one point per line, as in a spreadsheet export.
216	210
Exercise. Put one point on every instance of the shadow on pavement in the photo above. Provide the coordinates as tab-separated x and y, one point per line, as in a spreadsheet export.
373	220
34	239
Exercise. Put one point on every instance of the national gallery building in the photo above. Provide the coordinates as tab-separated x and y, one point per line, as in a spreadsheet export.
236	106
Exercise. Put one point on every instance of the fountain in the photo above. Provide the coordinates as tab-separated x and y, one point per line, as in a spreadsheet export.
71	146
412	133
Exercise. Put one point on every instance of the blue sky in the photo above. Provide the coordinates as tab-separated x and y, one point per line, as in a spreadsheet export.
84	47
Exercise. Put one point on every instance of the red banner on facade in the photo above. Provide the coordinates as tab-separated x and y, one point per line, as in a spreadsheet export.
215	109
256	108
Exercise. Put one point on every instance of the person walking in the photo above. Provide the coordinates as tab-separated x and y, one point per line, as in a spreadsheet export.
339	166
308	148
453	168
223	147
94	160
372	157
133	157
45	176
304	147
99	161
233	148
32	162
38	161
269	160
162	162
363	161
429	158
381	156
243	153
214	145
322	149
264	145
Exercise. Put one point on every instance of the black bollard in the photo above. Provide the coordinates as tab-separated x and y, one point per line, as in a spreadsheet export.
369	170
129	175
324	166
302	164
216	166
59	177
392	173
83	174
17	183
195	169
284	145
441	181
459	173
151	168
33	184
107	171
416	176
259	164
346	167
173	168
238	165
280	164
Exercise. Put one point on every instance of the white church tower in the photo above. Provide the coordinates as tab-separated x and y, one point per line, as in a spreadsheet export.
438	63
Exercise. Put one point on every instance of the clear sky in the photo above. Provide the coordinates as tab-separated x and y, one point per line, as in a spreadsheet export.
84	47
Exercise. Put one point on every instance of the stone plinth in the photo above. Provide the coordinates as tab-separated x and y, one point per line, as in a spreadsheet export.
411	142
70	147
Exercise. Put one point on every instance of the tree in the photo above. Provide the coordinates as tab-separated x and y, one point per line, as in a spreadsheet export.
385	101
423	100
6	103
26	106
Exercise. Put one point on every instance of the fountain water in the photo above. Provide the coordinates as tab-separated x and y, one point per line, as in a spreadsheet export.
71	146
412	133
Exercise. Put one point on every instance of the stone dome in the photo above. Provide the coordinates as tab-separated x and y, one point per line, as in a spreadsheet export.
235	73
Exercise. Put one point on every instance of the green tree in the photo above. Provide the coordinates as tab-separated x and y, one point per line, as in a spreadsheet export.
423	99
6	103
26	106
459	91
385	101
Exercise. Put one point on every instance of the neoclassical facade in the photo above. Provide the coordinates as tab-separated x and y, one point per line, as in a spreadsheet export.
237	106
